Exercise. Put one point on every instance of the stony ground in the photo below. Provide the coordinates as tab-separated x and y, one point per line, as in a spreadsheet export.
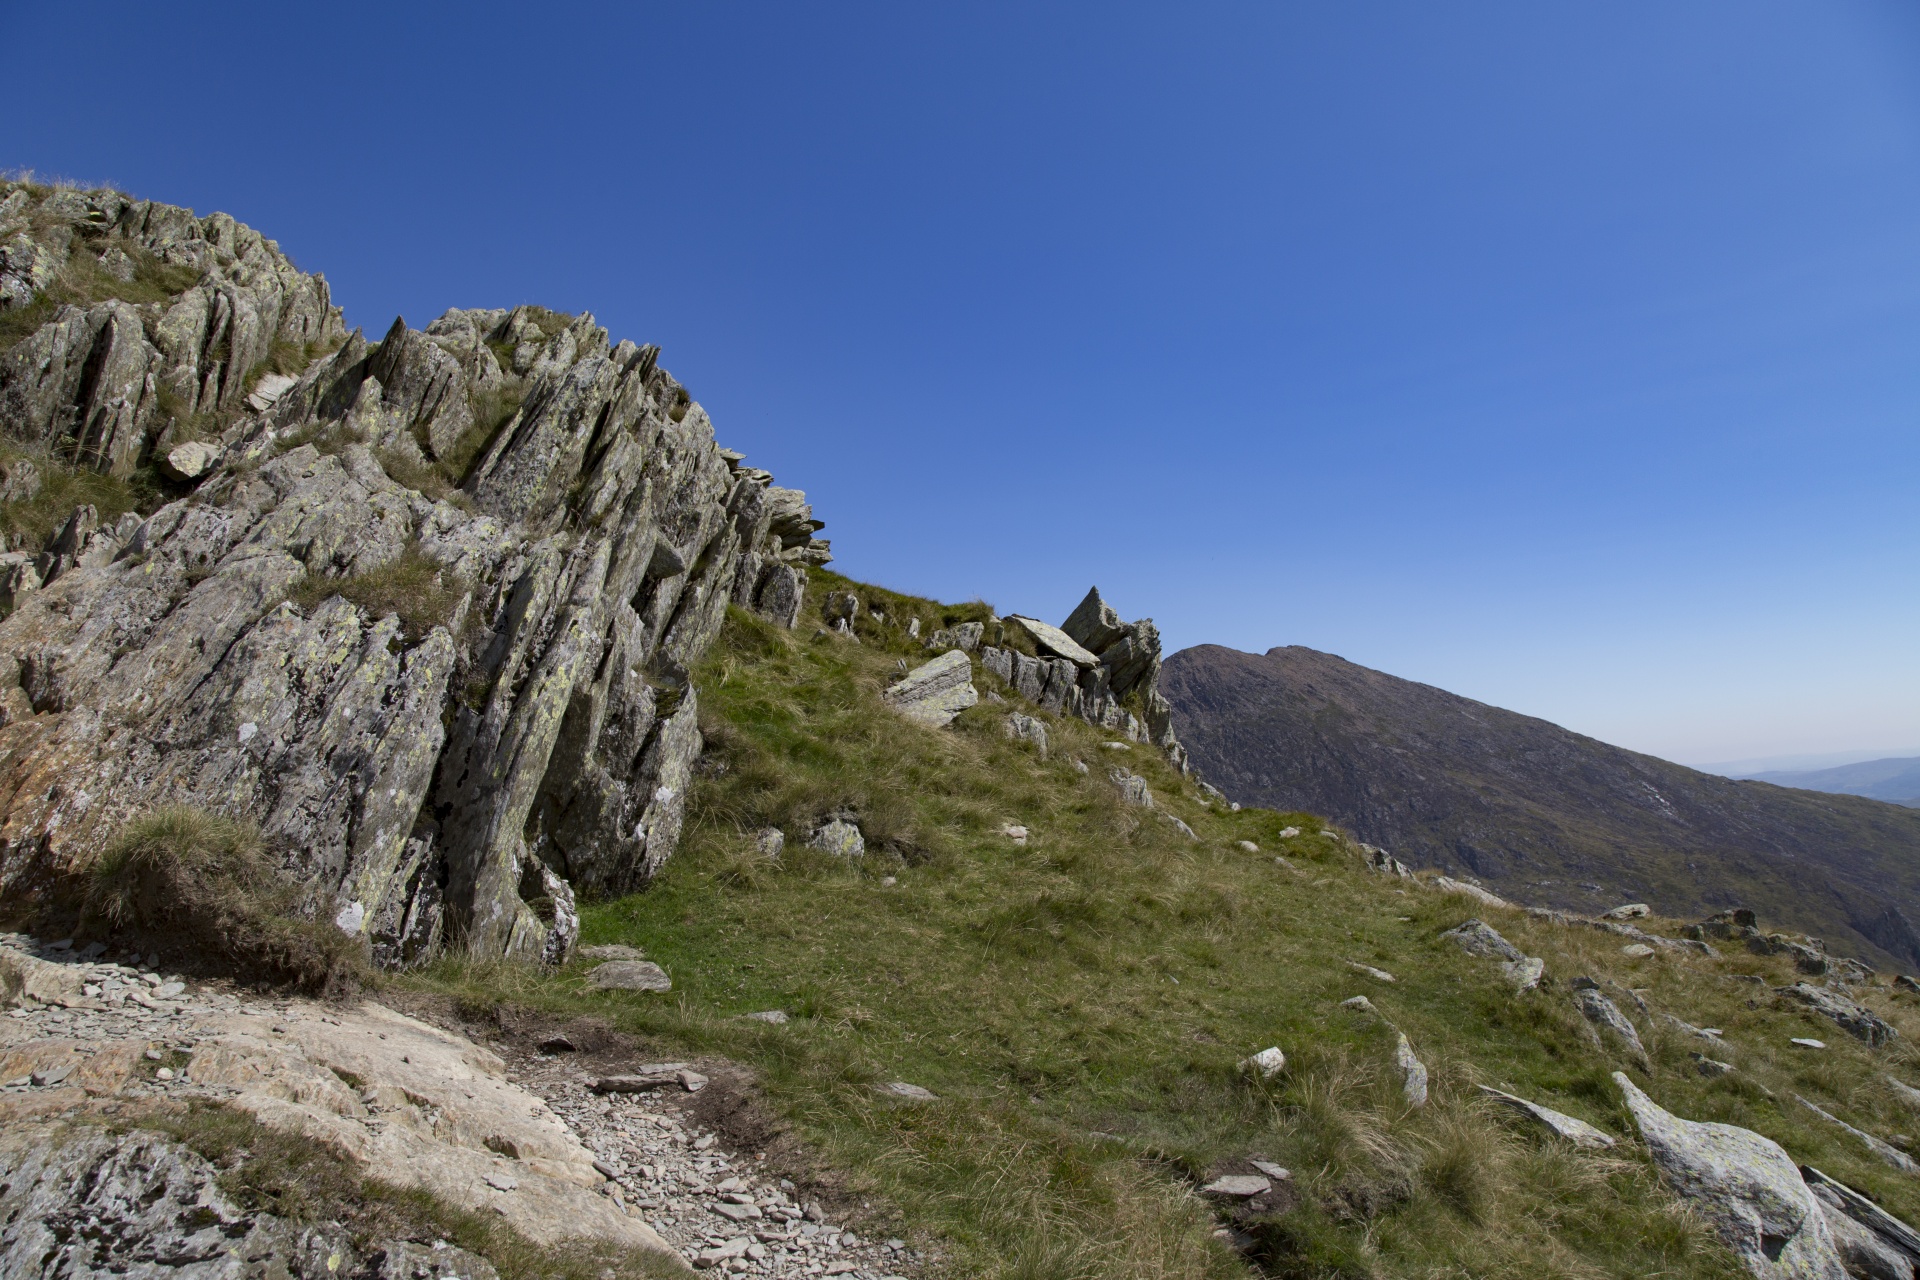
111	1033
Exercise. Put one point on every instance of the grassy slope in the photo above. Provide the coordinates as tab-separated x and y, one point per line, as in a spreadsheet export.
1080	1004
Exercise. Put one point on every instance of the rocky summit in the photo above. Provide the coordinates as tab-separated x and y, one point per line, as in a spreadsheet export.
456	824
550	508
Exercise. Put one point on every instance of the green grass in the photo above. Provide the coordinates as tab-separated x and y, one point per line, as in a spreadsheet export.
1080	1005
411	586
64	487
83	282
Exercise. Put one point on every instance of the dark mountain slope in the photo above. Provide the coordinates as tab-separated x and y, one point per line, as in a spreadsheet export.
1538	812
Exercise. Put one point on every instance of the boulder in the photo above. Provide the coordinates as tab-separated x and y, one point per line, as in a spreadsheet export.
964	635
1024	728
1605	1015
1631	911
629	975
1855	1018
934	693
839	838
1378	860
188	461
1561	1125
1447	884
1478	938
1133	787
1744	1186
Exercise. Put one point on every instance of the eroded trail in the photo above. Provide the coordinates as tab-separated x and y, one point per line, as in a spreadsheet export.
518	1133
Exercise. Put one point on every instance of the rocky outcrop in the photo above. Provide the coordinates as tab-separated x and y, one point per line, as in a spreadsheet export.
1561	1125
442	760
1850	1015
1093	666
1746	1188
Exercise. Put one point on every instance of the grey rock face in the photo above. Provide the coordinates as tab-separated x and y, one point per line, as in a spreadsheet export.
1889	1244
444	782
935	692
90	1203
1746	1188
1855	1018
1129	669
965	635
1558	1123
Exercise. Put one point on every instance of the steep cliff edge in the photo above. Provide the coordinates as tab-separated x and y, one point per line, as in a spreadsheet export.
422	609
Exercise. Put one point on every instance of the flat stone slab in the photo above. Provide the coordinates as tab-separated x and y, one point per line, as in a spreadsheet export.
911	1092
1571	1128
1057	642
629	975
1239	1186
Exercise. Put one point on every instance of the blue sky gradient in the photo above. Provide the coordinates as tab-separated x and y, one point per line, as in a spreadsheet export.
1561	356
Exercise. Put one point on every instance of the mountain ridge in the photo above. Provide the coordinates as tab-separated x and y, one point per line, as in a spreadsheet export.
1538	812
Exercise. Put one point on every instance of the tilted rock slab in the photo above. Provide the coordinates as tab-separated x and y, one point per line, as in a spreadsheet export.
1853	1017
445	790
1478	938
1604	1014
935	692
1561	1125
1745	1186
1886	1151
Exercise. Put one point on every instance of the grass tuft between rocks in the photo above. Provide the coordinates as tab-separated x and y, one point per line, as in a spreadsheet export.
188	878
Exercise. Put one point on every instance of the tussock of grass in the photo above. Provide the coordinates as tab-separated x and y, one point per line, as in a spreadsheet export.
411	586
63	487
205	882
305	1182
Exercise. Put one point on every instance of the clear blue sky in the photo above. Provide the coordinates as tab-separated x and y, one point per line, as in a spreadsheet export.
1566	356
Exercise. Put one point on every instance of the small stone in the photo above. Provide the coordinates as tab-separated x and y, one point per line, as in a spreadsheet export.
1248	845
1807	1042
1277	1172
154	1055
1709	1067
770	842
1238	1186
629	975
1359	1004
187	461
775	1017
911	1092
1269	1062
164	1073
168	990
840	837
501	1182
1379	974
612	951
1288	833
1636	951
1014	832
692	1081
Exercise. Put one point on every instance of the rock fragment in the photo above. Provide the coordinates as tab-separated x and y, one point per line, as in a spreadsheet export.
840	838
934	693
1267	1063
1561	1125
1853	1017
629	975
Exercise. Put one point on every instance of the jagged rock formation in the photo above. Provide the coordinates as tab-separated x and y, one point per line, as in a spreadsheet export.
445	778
1093	666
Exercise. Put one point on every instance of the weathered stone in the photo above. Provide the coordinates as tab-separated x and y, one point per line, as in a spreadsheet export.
629	975
20	480
1379	975
1133	787
1631	911
1561	1125
1478	938
1889	1232
1269	1062
188	461
612	951
908	1092
1413	1072
1447	884
1238	1186
1604	1014
1022	728
1746	1188
936	692
1710	1067
840	838
1855	1018
1383	863
770	842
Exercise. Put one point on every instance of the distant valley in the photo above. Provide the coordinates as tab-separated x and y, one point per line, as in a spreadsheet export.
1895	780
1539	813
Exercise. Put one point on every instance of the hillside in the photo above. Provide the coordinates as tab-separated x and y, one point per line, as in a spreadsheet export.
1895	780
1537	812
459	829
